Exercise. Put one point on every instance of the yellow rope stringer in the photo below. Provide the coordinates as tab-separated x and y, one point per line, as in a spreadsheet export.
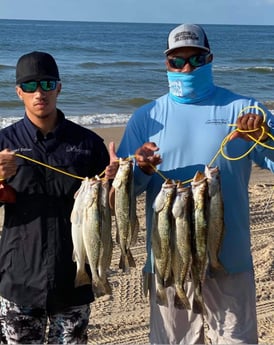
48	166
227	138
220	151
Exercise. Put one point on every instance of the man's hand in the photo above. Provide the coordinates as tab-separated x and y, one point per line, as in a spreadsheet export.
8	165
8	168
253	124
113	166
146	158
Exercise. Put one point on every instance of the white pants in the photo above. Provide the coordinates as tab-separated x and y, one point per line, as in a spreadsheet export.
230	302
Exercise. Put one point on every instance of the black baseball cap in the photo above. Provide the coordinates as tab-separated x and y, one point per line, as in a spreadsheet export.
36	66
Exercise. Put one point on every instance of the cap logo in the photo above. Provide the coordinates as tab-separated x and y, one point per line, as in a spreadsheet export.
186	35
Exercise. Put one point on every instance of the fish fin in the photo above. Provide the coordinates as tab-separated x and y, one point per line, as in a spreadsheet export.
127	261
176	211
107	287
101	288
198	306
82	278
147	277
116	183
73	256
104	279
131	260
124	264
117	237
161	297
180	300
75	217
216	267
135	231
169	281
158	204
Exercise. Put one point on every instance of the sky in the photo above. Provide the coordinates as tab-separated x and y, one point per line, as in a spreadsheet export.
247	12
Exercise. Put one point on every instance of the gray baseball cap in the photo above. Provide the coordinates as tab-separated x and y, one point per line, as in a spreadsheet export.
187	35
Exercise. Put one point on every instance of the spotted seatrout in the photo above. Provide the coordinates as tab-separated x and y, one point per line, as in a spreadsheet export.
215	217
180	243
79	251
125	212
92	233
199	238
106	236
161	230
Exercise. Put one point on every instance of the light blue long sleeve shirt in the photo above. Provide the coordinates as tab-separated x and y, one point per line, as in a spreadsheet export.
189	136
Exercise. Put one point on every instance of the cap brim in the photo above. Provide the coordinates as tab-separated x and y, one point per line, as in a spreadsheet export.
35	78
187	46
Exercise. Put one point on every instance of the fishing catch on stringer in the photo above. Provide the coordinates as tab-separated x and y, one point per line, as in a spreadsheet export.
91	235
127	223
190	246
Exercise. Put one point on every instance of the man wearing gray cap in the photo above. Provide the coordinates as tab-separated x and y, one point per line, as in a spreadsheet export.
181	133
37	271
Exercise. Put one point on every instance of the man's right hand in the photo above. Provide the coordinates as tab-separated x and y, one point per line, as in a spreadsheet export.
8	165
8	168
113	166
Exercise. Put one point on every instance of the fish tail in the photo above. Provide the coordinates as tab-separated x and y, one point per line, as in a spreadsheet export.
82	278
215	268
100	288
169	281
199	307
131	260
180	300
147	277
161	297
107	287
124	264
127	261
216	265
198	302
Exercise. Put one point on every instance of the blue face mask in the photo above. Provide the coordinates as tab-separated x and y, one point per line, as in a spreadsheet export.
191	87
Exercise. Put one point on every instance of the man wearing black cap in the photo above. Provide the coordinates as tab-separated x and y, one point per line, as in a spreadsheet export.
36	268
181	133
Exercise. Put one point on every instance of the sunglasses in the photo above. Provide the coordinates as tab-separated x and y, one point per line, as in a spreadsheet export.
178	62
46	85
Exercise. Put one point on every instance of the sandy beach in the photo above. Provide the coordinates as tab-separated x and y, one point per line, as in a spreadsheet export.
124	318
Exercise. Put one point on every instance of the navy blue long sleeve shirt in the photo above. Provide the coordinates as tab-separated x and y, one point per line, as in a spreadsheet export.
36	266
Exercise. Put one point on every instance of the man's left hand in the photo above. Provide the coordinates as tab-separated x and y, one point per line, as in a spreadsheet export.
252	125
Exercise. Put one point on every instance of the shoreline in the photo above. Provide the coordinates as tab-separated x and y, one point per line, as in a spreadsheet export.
109	134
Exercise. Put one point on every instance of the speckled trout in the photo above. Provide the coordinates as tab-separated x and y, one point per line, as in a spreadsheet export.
163	223
92	233
215	217
180	243
79	251
199	238
105	236
125	213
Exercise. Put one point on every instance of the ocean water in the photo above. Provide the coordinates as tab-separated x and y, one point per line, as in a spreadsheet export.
110	69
